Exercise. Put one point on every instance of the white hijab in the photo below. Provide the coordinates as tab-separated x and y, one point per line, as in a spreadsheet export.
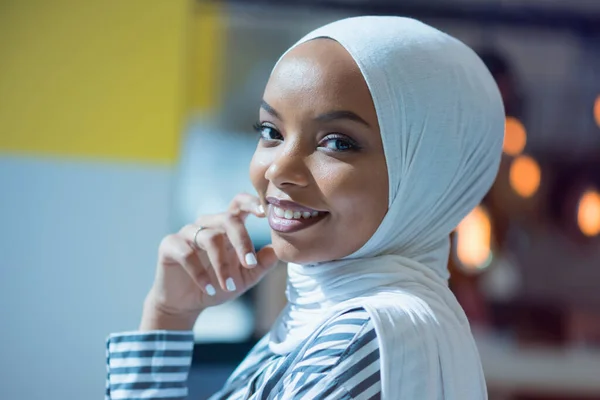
442	125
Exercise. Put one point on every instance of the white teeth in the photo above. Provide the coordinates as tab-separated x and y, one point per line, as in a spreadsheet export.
290	214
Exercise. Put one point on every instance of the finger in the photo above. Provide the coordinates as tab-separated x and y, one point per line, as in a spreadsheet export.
240	239
193	233
212	276
244	204
221	255
179	250
267	258
213	252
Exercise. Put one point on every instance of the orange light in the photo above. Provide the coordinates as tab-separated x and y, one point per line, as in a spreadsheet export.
588	215
524	176
515	137
473	240
597	110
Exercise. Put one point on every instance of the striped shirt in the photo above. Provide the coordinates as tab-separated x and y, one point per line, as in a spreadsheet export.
340	363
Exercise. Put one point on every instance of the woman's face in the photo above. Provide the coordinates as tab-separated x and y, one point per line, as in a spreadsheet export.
319	164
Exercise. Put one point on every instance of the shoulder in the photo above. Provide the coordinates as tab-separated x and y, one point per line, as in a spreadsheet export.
259	356
343	357
342	335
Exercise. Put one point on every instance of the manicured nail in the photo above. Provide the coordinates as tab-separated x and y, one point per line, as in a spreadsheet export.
230	285
261	209
251	259
210	290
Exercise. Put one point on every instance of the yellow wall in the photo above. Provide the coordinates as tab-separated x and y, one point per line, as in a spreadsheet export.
100	79
207	43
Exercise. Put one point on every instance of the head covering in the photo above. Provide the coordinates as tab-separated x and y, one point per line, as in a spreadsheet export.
442	124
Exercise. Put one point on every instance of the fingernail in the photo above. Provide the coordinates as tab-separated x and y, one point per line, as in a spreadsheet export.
210	290
251	259
261	209
230	285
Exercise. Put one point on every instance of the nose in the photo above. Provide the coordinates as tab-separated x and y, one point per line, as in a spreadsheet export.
288	168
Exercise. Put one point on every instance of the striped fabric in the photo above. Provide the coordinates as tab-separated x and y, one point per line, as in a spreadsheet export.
148	365
341	363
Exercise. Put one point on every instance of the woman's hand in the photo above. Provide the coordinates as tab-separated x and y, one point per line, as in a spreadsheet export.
205	264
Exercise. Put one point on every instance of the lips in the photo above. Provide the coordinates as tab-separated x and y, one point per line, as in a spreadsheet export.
289	205
287	217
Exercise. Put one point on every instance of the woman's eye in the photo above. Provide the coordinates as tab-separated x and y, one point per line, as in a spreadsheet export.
267	132
338	144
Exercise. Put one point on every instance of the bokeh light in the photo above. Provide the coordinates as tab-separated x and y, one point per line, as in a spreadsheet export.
515	137
525	176
597	110
473	240
588	214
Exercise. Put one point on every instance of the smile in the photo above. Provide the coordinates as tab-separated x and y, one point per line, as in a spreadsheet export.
291	214
288	217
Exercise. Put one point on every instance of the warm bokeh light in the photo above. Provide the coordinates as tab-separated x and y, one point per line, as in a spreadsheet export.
588	215
525	175
515	137
473	240
597	111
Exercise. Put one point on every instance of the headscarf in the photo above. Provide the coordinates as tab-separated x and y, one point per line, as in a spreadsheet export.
442	123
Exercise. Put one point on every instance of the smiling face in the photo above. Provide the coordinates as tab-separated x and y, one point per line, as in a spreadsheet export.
320	162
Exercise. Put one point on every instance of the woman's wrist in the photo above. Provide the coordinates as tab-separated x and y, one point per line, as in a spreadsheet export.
156	318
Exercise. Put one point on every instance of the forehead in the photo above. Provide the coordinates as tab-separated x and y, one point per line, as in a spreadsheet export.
318	75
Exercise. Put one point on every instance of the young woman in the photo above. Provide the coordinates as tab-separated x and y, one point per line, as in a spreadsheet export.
378	135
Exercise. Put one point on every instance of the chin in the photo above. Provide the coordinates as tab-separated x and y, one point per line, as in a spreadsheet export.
297	253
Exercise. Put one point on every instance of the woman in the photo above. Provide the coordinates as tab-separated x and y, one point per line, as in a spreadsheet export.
378	135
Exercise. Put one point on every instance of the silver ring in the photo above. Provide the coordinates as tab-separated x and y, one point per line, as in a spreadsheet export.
201	228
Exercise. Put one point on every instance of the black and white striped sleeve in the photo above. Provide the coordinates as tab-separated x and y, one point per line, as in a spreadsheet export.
341	363
149	365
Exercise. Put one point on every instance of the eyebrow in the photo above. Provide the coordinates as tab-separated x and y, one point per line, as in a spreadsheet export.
327	117
265	106
334	115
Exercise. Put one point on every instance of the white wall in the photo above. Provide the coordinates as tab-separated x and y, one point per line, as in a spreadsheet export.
78	247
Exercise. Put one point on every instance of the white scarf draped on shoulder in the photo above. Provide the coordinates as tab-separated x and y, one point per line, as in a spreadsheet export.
442	124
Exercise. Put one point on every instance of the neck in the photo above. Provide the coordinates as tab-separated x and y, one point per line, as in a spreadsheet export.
316	292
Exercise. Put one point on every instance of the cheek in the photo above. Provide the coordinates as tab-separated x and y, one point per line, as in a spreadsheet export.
258	167
358	193
355	186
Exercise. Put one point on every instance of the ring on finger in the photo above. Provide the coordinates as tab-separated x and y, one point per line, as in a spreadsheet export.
200	228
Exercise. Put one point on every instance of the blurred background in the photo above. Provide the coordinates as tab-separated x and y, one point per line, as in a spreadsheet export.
121	121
